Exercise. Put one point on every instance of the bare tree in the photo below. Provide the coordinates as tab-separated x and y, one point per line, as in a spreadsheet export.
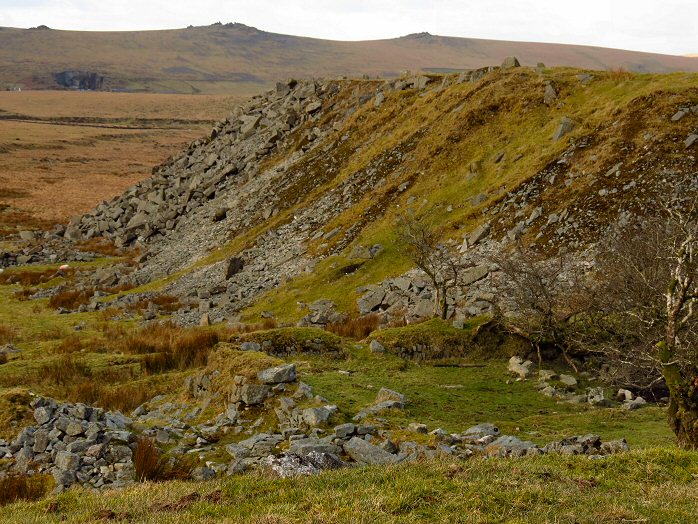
548	295
650	293
423	245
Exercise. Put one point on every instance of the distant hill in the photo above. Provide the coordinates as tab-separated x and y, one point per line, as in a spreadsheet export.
235	58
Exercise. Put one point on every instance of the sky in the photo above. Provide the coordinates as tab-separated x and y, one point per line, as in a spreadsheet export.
666	26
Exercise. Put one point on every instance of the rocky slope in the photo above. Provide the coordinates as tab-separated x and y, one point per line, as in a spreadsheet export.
298	189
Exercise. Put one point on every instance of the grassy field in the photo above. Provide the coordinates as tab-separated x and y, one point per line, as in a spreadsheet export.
652	486
64	152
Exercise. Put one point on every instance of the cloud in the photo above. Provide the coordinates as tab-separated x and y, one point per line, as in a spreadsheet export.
631	24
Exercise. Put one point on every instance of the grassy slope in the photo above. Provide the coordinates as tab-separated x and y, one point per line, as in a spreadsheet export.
450	397
465	124
243	60
648	486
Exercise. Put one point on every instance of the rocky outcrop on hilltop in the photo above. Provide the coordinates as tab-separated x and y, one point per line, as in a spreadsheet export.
84	80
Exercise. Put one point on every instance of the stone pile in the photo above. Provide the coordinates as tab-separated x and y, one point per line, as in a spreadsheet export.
565	387
75	443
410	296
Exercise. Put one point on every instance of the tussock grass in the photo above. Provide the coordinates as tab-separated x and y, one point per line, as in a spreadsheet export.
7	333
357	328
22	487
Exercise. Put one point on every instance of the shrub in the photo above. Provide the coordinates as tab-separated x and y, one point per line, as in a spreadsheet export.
22	487
358	328
3	359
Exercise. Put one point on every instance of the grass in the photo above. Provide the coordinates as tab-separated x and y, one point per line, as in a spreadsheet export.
63	143
654	485
474	391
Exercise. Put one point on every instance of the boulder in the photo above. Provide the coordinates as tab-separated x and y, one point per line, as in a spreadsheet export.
306	446
288	465
254	394
550	95
507	446
278	375
250	346
569	381
510	62
482	430
522	369
565	127
596	397
315	417
366	453
345	430
386	394
479	234
416	427
376	347
474	274
66	461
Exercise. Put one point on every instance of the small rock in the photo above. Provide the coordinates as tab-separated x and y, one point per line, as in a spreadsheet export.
377	347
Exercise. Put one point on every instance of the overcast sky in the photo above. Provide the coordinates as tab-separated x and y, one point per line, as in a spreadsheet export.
666	26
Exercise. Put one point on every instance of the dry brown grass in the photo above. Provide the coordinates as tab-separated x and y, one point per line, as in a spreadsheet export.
152	466
620	74
73	343
357	328
70	299
166	303
82	164
100	245
33	278
265	324
24	293
64	370
166	346
7	333
21	487
122	397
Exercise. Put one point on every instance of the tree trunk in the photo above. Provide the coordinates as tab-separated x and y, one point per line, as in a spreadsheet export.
444	305
436	300
683	399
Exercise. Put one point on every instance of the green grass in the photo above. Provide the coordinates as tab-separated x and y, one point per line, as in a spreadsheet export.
455	398
654	485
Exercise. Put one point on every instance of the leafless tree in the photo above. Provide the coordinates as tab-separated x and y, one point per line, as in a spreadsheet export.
547	294
424	246
648	291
